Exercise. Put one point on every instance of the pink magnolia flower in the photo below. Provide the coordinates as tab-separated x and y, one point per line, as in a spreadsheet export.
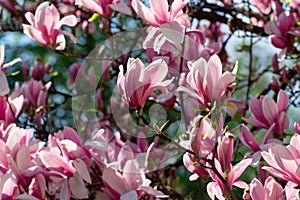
4	88
207	81
10	109
284	161
160	13
129	185
34	92
39	69
224	167
45	26
265	112
139	82
280	31
249	141
18	158
66	160
272	190
104	7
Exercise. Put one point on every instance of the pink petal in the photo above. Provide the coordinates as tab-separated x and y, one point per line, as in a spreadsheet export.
121	8
78	188
155	72
69	20
278	41
282	101
247	139
70	134
173	32
115	181
237	170
160	9
82	170
4	88
176	7
34	34
285	23
30	18
215	69
91	5
65	191
53	160
270	109
23	158
213	189
144	12
274	189
257	191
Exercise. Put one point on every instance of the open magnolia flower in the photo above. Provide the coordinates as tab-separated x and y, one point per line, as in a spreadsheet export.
140	82
159	13
207	81
45	26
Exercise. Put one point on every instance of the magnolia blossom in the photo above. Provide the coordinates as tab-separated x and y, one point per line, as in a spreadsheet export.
207	81
224	167
104	7
10	109
272	190
4	88
201	141
265	112
19	165
284	161
129	185
159	13
280	31
249	141
66	160
45	26
140	82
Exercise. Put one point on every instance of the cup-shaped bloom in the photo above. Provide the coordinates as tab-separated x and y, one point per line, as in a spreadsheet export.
45	26
159	12
284	161
207	81
140	82
266	112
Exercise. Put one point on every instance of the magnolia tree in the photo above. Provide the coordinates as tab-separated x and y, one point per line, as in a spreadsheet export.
134	99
